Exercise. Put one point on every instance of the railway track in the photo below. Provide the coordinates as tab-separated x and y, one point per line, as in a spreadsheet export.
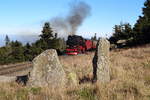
11	69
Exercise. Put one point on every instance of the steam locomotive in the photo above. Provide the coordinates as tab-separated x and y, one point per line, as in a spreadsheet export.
77	44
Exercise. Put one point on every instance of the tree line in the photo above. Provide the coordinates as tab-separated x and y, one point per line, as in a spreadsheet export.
15	51
136	35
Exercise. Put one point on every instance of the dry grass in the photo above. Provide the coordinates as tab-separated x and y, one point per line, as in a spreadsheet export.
80	64
130	79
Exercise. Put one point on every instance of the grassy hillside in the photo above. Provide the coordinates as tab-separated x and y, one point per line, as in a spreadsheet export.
130	79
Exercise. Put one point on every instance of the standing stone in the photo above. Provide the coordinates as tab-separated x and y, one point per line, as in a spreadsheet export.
101	62
47	71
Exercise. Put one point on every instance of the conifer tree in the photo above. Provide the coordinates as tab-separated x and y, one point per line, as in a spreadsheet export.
7	41
47	32
142	26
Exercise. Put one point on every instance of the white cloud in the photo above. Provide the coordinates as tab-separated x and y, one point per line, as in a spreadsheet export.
22	30
23	34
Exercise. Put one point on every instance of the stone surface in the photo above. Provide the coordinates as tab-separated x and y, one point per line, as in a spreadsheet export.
101	61
47	71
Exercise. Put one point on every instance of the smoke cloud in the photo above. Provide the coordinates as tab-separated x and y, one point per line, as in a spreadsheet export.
69	24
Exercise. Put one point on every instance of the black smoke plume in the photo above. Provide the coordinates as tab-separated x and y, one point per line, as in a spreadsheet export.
68	25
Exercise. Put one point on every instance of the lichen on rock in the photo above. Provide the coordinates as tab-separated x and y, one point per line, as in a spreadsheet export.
47	71
101	61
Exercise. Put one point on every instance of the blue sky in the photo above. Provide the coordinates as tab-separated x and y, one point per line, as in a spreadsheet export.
26	17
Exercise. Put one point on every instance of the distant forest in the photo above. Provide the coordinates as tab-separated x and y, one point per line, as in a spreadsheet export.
136	35
15	51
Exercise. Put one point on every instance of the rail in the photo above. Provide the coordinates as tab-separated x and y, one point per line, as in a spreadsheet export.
9	69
